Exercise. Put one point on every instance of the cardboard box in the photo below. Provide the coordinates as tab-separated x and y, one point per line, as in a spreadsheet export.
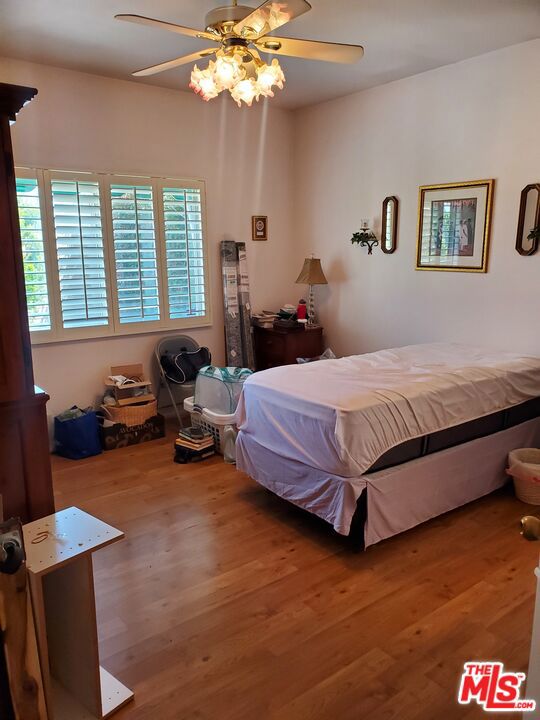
124	394
120	435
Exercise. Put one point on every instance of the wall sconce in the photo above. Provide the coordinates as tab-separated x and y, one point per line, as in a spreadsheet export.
365	237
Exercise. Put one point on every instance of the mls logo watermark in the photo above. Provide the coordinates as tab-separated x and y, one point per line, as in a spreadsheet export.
488	684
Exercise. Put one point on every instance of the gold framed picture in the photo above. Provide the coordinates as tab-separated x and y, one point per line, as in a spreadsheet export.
259	227
454	225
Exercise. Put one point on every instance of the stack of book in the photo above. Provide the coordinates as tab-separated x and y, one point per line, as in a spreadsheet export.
193	444
264	319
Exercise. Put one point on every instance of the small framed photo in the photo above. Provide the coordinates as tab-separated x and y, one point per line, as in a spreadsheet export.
259	227
454	224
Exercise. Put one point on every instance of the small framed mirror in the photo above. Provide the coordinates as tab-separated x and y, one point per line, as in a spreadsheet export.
528	231
389	224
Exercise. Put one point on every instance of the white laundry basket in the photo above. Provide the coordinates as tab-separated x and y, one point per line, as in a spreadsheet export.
212	422
524	467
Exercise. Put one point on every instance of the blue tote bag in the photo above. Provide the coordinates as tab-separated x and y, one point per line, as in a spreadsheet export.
78	437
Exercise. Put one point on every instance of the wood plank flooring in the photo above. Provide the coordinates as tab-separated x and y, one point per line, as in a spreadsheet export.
226	602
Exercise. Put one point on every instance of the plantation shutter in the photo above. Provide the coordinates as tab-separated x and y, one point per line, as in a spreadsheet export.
183	231
76	213
135	253
111	254
33	250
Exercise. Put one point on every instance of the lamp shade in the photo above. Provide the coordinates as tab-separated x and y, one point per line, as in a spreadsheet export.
312	273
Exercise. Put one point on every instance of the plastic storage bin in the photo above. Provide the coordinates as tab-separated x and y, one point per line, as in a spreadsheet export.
524	467
214	423
218	389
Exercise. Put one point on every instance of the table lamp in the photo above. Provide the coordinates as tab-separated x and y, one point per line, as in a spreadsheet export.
312	274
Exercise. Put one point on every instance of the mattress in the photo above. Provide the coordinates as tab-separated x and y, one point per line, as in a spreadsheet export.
394	499
342	416
458	434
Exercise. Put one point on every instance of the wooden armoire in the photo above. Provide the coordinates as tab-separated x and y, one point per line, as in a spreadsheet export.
25	470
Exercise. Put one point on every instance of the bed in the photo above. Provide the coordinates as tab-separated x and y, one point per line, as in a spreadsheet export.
377	443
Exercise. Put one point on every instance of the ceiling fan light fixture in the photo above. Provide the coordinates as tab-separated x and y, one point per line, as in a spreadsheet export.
246	90
268	76
228	70
203	82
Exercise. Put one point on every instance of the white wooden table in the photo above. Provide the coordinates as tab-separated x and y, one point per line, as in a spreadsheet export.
59	562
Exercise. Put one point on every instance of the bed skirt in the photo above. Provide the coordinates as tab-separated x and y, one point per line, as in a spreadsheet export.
398	498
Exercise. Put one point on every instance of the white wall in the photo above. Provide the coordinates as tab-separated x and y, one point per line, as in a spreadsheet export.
315	174
85	122
475	119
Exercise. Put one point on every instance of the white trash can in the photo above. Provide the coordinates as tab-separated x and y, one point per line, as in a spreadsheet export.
524	467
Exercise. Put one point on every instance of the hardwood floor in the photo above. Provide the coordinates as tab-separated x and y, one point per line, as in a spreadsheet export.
226	602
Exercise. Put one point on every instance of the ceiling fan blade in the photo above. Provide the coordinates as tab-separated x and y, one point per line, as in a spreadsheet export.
184	60
270	16
180	29
311	49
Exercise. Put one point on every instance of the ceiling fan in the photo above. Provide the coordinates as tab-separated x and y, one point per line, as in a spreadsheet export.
241	33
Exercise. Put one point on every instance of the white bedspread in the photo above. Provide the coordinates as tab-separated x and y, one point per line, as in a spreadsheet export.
340	416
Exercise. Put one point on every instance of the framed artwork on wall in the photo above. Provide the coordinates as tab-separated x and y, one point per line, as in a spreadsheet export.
259	227
454	224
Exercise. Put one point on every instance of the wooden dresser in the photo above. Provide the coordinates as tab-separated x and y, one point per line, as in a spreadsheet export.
25	471
275	347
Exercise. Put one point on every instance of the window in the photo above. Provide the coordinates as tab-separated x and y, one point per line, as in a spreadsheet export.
33	250
135	253
111	254
185	253
80	254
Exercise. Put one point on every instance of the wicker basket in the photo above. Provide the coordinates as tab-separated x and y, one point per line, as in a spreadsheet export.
524	467
131	414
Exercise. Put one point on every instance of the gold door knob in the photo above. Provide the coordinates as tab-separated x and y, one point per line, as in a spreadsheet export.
530	527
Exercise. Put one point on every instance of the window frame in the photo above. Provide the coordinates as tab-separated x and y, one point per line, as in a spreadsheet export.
114	328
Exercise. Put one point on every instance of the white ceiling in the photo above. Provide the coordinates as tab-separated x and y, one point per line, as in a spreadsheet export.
400	37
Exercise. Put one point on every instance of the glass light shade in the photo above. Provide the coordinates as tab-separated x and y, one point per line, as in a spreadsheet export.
269	75
203	82
228	71
245	90
195	77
